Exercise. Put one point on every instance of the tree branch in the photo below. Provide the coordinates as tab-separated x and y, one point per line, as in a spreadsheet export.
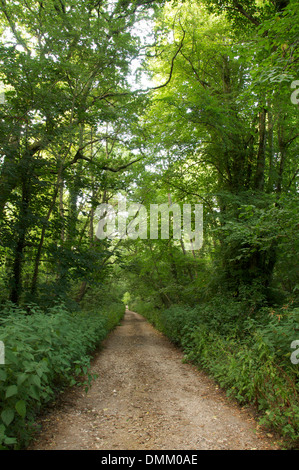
13	27
238	7
172	65
79	156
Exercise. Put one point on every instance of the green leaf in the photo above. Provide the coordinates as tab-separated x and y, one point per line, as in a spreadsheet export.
21	408
35	379
21	378
3	375
10	440
2	431
11	390
7	416
33	391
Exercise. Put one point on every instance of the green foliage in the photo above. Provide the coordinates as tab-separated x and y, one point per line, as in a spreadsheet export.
149	311
253	367
219	129
45	352
175	319
68	129
126	298
226	131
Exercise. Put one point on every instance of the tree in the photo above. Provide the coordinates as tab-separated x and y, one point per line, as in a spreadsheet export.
68	109
227	128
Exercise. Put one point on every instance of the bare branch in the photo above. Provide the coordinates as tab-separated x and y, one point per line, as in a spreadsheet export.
238	7
172	65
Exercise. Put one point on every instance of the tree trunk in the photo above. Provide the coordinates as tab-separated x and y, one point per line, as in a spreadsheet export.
270	150
259	179
282	154
82	291
41	242
16	279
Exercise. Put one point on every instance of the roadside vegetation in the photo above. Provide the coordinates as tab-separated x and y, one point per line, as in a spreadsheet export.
160	102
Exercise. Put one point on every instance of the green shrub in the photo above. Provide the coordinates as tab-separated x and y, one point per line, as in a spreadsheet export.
176	319
43	353
249	373
148	310
250	359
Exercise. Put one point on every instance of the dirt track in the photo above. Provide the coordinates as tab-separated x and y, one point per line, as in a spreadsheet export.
145	398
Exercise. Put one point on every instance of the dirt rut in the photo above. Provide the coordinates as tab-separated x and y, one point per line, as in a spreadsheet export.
146	398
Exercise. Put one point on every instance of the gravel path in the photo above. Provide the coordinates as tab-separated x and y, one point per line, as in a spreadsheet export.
145	398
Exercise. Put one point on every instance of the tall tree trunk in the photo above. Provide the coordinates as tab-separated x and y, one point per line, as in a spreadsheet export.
259	179
282	146
84	285
270	149
82	291
41	242
190	273
74	195
23	223
9	179
61	206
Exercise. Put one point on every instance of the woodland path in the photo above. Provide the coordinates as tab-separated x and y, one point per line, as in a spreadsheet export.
146	398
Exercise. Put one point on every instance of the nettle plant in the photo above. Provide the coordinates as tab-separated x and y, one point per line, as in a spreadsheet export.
44	352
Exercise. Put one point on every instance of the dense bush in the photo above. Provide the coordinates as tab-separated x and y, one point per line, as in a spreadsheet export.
44	352
148	310
254	366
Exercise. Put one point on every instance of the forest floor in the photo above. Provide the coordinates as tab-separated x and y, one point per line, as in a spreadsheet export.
146	398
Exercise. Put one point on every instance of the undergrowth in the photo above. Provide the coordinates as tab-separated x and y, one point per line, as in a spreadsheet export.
249	358
45	351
